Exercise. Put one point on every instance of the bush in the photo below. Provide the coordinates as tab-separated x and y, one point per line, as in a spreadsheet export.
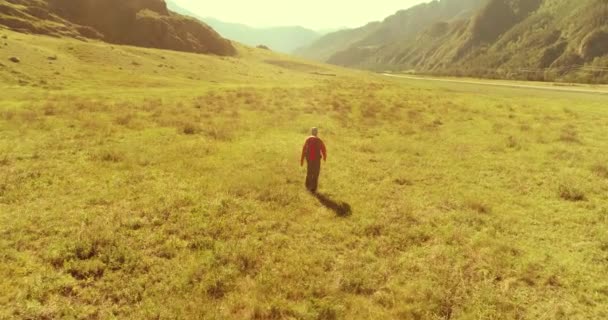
601	170
109	156
512	143
123	120
478	206
569	135
190	128
86	269
571	193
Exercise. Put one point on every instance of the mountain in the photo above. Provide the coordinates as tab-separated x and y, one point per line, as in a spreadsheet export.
519	39
325	47
355	46
528	39
145	23
282	39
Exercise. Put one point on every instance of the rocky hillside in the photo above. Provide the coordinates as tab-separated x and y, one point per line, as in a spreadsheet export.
146	23
516	39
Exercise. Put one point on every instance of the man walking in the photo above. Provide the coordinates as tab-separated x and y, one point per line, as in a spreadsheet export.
313	151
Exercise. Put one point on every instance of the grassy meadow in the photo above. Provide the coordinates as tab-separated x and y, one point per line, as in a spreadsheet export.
148	184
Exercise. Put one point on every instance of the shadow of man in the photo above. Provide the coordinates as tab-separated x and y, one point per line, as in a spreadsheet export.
342	209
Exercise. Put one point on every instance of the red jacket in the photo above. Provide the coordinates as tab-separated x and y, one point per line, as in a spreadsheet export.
314	149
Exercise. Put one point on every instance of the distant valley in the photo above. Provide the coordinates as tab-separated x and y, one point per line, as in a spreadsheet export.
281	39
285	39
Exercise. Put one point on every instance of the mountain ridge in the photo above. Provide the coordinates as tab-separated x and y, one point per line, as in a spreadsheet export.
351	47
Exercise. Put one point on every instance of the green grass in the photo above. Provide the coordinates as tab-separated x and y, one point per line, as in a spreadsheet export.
177	193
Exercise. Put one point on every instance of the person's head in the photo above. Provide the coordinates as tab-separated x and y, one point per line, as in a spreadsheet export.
315	131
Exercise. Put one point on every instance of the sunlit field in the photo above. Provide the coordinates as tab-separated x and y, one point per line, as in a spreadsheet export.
148	184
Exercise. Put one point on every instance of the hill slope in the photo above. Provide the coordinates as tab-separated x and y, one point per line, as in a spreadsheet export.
328	45
529	39
58	64
145	23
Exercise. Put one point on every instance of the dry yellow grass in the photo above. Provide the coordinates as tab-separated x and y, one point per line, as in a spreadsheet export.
132	194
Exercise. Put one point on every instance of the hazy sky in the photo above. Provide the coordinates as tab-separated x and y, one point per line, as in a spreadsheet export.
315	14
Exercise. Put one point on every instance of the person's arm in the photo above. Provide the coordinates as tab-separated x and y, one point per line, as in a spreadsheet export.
323	150
304	151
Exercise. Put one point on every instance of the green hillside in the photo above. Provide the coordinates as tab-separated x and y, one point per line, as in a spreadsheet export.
517	39
48	63
540	40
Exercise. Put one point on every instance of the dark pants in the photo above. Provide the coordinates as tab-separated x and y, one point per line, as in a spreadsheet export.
312	175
